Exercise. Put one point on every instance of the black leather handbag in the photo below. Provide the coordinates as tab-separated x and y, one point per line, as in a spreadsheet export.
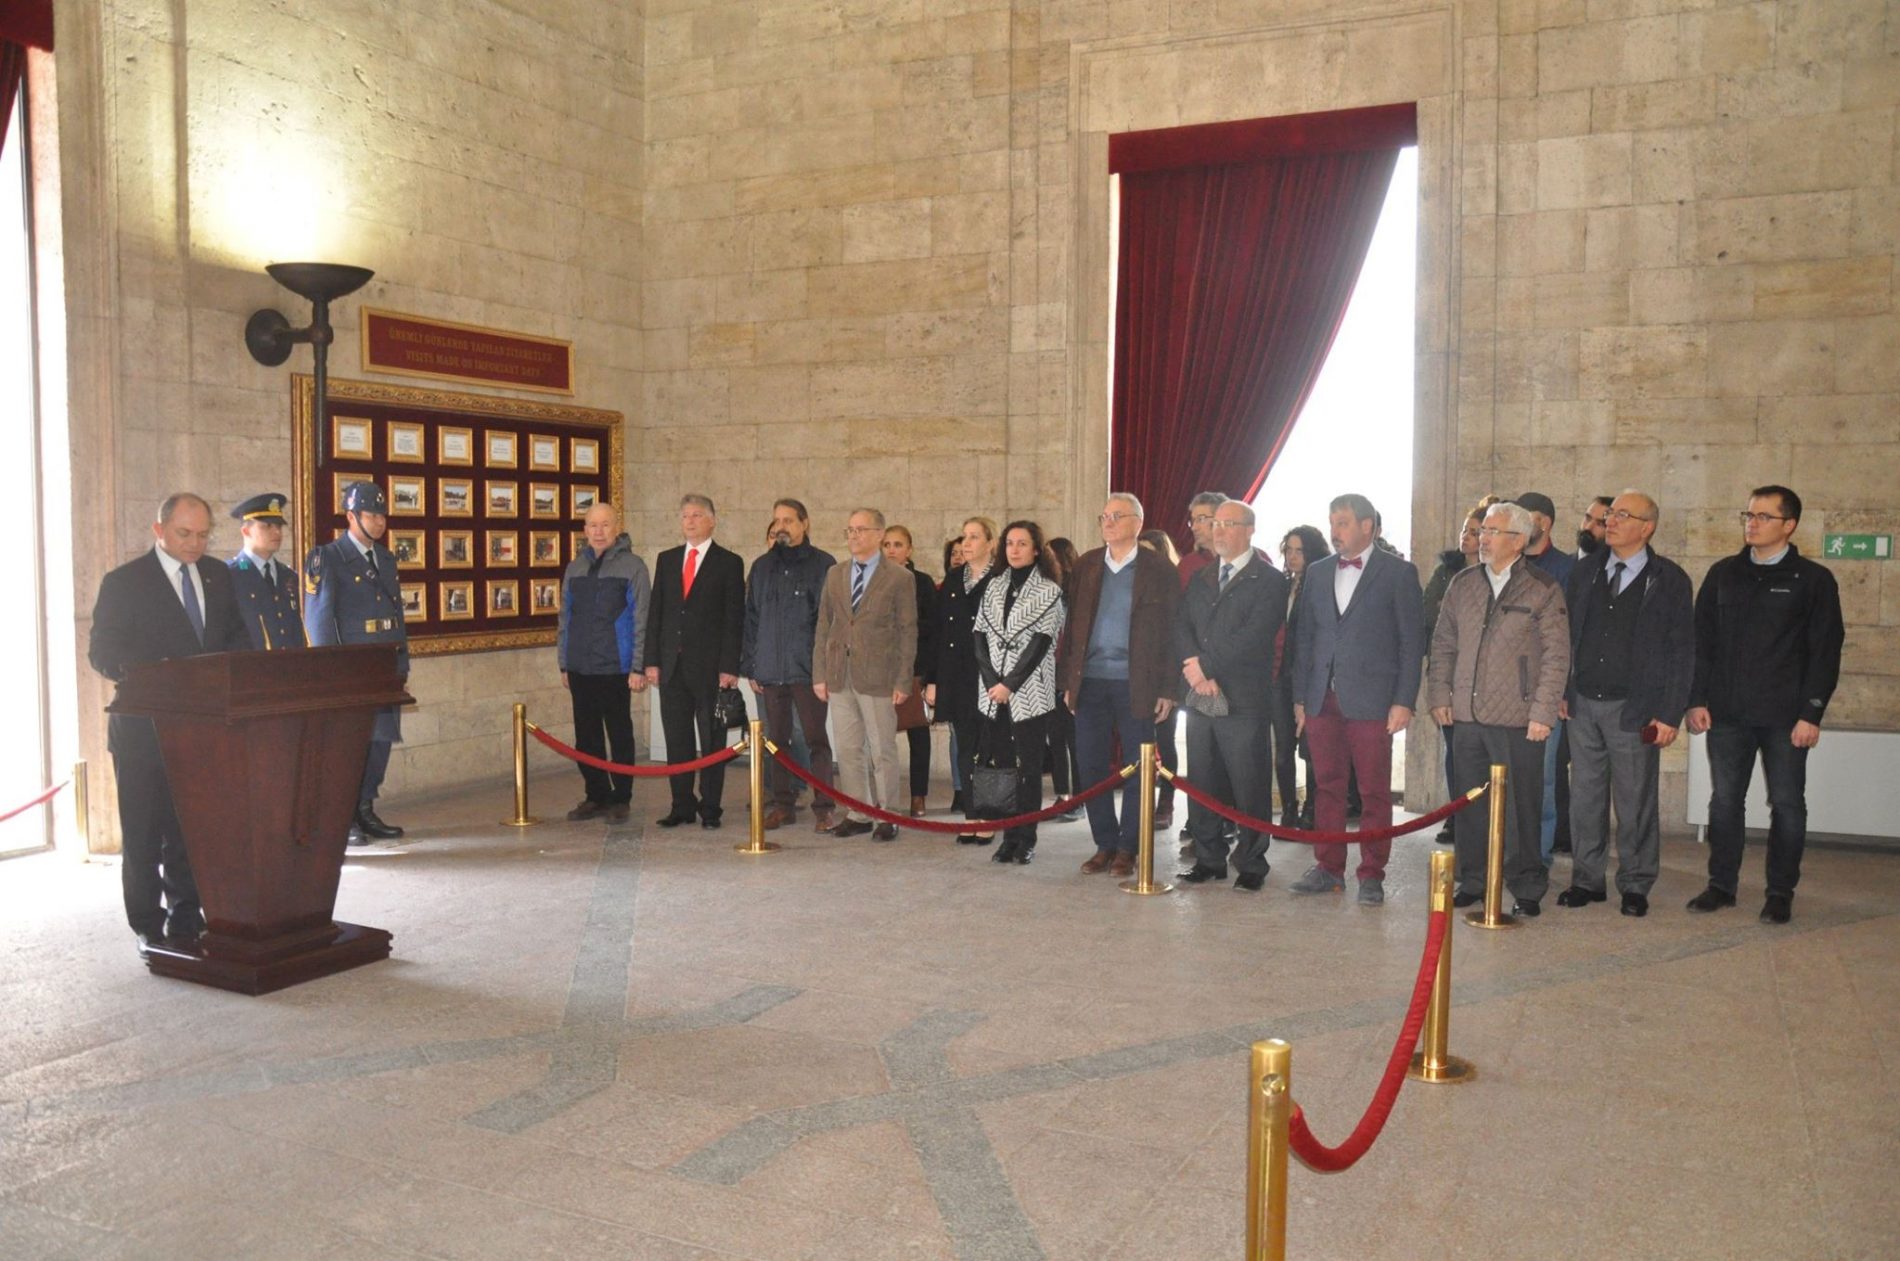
729	708
993	782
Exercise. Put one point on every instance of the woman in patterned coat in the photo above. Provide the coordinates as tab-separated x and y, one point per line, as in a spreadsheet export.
1017	626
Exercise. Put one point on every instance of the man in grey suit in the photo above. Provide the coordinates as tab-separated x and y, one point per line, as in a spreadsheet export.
1357	657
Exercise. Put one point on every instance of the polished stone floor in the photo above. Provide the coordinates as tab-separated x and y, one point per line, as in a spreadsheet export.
634	1043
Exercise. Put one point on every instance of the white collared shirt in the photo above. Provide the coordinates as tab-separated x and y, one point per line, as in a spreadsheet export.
1772	560
1346	578
1116	566
1233	566
1497	579
172	565
265	567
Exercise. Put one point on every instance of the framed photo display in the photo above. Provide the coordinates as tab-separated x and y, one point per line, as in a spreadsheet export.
465	474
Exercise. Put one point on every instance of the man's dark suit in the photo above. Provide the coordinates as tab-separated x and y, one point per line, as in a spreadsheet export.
692	640
1232	632
139	617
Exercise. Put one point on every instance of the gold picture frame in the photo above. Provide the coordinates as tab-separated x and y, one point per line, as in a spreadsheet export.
504	597
455	549
583	455
458	601
455	496
581	498
501	449
410	548
408	496
407	442
455	445
415	603
544	453
501	499
544	548
503	549
352	438
544	501
576	542
340	480
544	596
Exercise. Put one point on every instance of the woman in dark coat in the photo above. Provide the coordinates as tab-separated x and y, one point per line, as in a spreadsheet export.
1065	774
951	689
897	549
1302	546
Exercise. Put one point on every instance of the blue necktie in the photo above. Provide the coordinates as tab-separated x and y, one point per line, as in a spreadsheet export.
193	612
1226	574
857	585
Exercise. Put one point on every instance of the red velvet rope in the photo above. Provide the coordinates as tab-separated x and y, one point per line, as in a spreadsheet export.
1419	824
962	828
40	800
1323	1159
648	772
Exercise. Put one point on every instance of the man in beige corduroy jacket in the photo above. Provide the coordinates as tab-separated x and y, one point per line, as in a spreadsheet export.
1500	658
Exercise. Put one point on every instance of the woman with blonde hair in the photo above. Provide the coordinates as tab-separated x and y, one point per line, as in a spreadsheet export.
951	690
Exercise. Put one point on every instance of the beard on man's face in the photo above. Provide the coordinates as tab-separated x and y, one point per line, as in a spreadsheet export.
1588	542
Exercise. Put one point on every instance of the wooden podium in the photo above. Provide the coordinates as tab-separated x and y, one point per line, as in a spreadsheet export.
265	754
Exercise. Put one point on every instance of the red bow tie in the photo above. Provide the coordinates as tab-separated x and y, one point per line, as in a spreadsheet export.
1357	562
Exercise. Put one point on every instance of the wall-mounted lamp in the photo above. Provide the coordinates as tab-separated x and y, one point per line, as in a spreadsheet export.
270	336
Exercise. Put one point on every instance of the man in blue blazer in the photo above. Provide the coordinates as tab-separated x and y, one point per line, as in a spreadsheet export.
266	587
1356	645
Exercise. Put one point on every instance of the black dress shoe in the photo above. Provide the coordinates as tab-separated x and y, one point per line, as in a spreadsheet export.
1710	899
1250	881
147	941
710	823
968	838
1024	853
367	820
1526	908
1197	874
1578	896
1005	853
851	827
185	928
357	837
1462	900
1778	909
1446	836
884	832
673	820
1635	905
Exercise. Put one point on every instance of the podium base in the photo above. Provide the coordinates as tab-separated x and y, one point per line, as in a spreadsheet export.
260	967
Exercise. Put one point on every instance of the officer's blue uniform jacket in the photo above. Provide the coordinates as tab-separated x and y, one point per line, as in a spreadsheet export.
345	604
270	616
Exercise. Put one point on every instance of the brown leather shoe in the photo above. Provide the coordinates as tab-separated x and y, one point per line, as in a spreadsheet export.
917	807
824	822
1124	864
1098	864
884	832
777	817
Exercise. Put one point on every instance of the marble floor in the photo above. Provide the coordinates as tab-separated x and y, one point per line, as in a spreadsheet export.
634	1043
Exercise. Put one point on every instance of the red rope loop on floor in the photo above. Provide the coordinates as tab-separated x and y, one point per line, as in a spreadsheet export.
647	772
1225	811
1320	1158
961	828
40	800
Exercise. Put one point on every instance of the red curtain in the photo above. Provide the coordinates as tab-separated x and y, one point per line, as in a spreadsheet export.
1233	280
12	70
23	24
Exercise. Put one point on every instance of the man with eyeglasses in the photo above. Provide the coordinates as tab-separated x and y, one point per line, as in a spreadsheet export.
1119	669
1768	638
1632	656
1500	656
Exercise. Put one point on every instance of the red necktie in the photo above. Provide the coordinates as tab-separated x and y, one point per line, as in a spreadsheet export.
1357	562
686	573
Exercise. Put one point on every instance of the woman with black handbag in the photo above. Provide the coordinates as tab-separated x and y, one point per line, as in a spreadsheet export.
1017	625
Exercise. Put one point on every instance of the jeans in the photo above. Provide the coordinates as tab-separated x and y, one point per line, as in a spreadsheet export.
1102	714
1732	749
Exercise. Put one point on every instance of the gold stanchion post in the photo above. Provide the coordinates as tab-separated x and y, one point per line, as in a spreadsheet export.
82	805
1269	1109
1144	881
1434	1063
1493	916
522	818
755	767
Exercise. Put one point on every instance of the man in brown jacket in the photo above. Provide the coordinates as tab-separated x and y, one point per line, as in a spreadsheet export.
1119	669
862	653
1500	659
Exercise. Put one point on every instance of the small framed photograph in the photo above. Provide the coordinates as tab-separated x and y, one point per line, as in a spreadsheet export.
544	547
405	442
458	601
415	602
581	498
455	497
350	437
457	549
583	454
503	499
544	452
502	598
340	482
408	496
576	544
501	449
544	594
455	446
504	547
411	548
544	501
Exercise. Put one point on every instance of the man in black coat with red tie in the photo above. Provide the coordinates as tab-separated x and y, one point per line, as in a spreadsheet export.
695	629
171	602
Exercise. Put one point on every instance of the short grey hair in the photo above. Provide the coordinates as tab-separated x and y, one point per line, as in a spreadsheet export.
1134	504
1246	511
1206	499
876	516
176	500
1655	509
1517	515
704	501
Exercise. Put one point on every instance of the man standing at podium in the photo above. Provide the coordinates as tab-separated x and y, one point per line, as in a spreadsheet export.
266	587
170	602
351	596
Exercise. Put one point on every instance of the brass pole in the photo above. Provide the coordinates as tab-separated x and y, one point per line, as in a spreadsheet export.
82	805
1269	1108
522	818
755	775
1493	916
1434	1063
1144	881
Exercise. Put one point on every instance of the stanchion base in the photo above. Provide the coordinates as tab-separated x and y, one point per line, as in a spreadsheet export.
528	822
1477	920
763	847
1135	887
1451	1071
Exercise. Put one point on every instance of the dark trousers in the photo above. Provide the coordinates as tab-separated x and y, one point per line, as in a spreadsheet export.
153	860
1612	764
374	768
1476	746
686	717
966	732
1561	839
1288	750
919	738
603	720
1165	754
1101	716
1732	749
1227	754
1064	777
1343	747
1023	741
783	701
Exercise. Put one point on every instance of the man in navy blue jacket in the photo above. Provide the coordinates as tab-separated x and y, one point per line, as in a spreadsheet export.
603	622
781	616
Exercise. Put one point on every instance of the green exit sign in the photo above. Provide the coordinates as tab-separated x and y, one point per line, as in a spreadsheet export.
1858	547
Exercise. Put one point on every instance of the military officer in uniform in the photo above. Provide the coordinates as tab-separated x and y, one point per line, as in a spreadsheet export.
351	596
266	587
